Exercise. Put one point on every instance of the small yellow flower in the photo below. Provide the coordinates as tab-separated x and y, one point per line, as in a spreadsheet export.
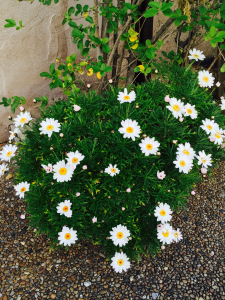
85	15
133	38
99	75
81	71
90	72
141	67
70	67
135	46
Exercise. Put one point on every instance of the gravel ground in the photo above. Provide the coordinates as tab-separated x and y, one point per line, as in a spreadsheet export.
191	269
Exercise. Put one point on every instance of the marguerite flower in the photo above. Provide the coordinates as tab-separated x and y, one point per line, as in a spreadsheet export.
189	110
67	236
47	168
196	54
119	235
21	188
186	149
8	151
204	159
222	105
50	125
62	171
166	234
163	213
184	163
161	175
209	126
64	208
22	118
112	171
205	78
218	135
125	97
3	168
177	236
13	133
120	262
149	146
130	129
74	158
176	107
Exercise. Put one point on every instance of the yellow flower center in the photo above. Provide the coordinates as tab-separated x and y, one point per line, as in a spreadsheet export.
13	134
189	111
165	234
182	163
129	129
203	159
74	160
3	170
176	235
217	135
149	146
205	78
209	127
22	120
113	170
141	67
126	97
9	153
63	171
176	107
119	235
23	190
120	262
67	236
195	55
162	212
65	208
50	127
133	38
186	152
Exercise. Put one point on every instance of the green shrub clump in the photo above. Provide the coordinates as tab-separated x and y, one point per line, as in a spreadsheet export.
114	181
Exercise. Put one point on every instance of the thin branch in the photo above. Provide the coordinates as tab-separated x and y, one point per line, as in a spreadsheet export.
215	59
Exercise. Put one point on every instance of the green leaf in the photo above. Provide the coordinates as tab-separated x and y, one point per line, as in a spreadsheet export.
151	12
103	67
222	6
212	31
23	100
166	5
80	45
179	12
85	52
11	21
52	68
72	24
18	28
20	22
222	14
76	32
108	69
79	7
148	43
9	25
159	43
71	10
45	74
150	53
105	40
96	40
222	68
136	69
154	4
222	46
168	12
90	20
73	57
177	22
106	48
213	43
85	8
202	10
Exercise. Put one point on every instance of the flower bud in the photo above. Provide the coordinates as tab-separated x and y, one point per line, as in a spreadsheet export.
156	71
61	135
52	183
109	197
51	148
158	203
174	141
88	86
123	208
144	135
9	117
168	191
101	171
10	142
34	100
158	153
163	247
110	81
181	119
136	106
212	117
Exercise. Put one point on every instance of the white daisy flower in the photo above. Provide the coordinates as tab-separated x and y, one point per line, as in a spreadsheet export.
47	168
205	78
112	171
13	133
67	236
196	54
119	235
149	146
130	129
120	262
209	126
62	171
218	136
22	118
3	168
8	151
125	97
184	163
21	188
176	107
166	234
177	236
74	158
163	213
186	149
223	104
49	126
203	159
64	208
189	110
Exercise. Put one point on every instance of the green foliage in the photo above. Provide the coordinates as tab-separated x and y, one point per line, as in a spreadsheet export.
93	131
